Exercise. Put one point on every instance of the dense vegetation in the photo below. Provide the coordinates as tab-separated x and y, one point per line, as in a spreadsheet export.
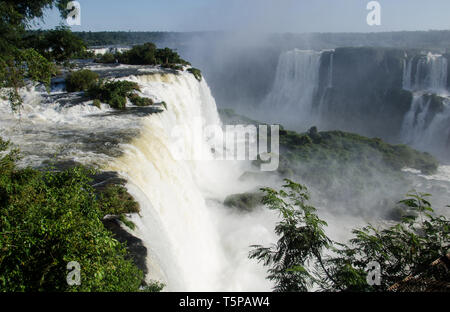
102	38
321	148
148	54
304	257
25	56
57	45
401	39
50	218
81	80
348	168
115	93
145	54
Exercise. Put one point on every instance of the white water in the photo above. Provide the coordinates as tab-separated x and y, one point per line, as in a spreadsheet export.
420	129
296	82
433	135
430	74
195	244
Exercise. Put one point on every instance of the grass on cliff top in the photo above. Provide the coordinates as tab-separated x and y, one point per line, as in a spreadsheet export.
348	148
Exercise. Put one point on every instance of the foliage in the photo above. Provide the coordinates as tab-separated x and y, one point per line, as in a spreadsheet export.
81	80
50	218
106	58
22	57
140	101
344	147
19	66
145	54
346	166
244	202
302	239
58	44
114	93
96	103
304	257
196	72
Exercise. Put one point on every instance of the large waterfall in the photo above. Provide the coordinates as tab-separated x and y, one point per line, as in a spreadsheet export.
426	73
181	226
296	83
427	125
304	94
194	243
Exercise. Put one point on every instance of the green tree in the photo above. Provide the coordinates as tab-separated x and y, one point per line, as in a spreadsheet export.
304	257
50	218
18	61
81	80
58	44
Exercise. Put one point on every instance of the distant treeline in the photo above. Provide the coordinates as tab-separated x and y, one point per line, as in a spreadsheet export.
129	38
432	40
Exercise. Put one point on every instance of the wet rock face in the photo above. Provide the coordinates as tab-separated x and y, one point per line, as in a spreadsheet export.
136	249
366	94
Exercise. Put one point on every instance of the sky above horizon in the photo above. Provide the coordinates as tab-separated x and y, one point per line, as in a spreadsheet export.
296	16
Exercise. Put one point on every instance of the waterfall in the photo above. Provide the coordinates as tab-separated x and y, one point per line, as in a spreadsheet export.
187	233
426	130
296	83
194	243
330	72
427	75
430	73
407	72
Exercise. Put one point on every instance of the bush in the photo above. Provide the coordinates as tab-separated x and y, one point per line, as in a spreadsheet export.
305	257
81	80
196	72
97	103
140	101
49	219
148	54
114	93
107	58
139	55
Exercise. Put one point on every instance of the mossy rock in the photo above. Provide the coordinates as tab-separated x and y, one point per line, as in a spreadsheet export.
245	202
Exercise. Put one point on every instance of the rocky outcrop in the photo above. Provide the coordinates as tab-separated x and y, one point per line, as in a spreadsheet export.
363	91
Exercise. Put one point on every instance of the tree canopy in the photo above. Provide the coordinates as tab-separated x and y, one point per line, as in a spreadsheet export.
22	59
305	258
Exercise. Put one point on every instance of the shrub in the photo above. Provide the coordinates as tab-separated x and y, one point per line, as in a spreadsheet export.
81	80
140	101
49	219
196	72
107	58
148	54
139	55
305	257
97	103
114	93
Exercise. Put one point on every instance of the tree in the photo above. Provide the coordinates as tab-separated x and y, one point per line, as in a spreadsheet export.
58	45
51	218
18	62
304	257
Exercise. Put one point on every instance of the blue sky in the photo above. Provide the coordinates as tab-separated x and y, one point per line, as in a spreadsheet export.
256	15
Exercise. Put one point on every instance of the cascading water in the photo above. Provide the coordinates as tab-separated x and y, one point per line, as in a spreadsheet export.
295	86
430	73
194	243
423	127
426	130
180	222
